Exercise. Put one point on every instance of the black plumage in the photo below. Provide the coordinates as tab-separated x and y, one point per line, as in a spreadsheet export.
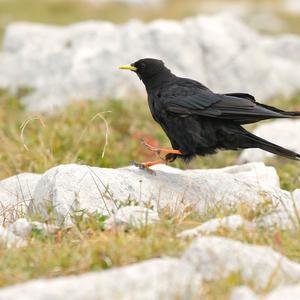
198	121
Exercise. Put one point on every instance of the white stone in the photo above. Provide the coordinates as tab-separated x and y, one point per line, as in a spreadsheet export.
69	189
217	257
284	47
243	293
272	131
15	195
292	6
46	229
9	239
230	223
80	61
289	292
296	197
284	216
155	279
21	227
133	216
279	219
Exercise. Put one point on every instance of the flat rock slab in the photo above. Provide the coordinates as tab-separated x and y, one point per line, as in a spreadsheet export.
80	61
67	189
166	279
217	257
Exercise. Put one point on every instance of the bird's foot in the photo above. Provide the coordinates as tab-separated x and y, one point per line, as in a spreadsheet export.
149	147
158	151
145	166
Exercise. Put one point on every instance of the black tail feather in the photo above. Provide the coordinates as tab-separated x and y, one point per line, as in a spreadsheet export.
258	142
284	113
292	113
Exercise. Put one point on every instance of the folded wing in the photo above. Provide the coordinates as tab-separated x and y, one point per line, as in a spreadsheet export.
192	98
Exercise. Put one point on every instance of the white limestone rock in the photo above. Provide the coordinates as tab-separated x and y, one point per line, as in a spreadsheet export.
80	61
22	227
69	189
15	195
288	138
166	279
292	6
284	216
232	222
46	229
289	292
296	197
9	240
217	257
243	293
132	216
284	47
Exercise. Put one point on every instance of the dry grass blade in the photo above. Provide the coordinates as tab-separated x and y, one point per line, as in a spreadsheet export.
98	115
24	125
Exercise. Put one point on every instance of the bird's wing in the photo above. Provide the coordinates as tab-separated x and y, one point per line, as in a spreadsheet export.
188	97
242	95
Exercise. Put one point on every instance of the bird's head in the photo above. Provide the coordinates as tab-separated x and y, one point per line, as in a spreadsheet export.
146	68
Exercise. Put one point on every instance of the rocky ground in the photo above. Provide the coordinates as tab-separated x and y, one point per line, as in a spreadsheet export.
76	224
65	192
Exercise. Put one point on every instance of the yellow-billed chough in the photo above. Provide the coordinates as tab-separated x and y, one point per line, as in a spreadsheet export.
198	121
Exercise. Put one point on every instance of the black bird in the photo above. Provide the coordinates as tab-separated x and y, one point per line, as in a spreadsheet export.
198	121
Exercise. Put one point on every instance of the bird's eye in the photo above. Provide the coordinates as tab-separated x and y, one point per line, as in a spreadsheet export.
143	66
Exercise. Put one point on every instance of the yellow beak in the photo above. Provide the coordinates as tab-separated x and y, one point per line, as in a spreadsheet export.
128	67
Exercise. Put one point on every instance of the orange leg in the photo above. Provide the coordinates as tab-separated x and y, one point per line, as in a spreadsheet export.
146	165
153	163
160	150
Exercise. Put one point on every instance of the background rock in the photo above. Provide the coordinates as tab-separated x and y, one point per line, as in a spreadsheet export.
9	239
273	131
81	60
166	279
21	227
217	257
243	293
230	223
290	292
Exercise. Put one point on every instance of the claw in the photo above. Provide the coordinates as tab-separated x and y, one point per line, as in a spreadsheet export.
143	166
